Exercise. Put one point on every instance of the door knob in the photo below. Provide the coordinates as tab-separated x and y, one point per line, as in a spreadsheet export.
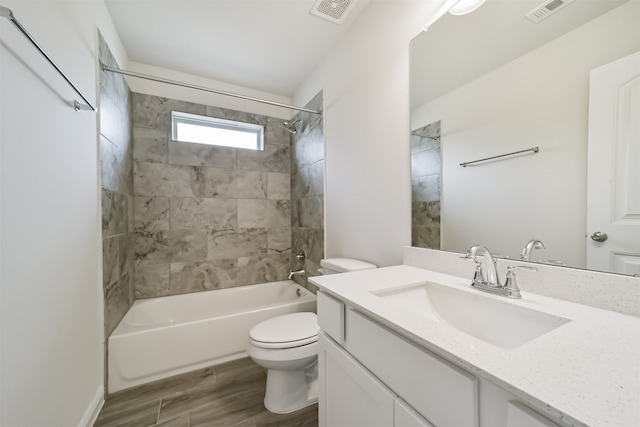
599	236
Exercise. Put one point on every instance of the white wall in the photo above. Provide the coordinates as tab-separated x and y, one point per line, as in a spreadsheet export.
540	99
51	277
366	89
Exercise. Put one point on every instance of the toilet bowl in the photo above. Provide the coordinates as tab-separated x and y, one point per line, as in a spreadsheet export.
287	346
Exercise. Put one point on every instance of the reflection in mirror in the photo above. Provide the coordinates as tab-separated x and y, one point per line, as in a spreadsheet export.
495	82
425	186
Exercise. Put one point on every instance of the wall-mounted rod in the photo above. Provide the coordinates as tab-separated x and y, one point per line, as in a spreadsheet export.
202	88
7	13
534	149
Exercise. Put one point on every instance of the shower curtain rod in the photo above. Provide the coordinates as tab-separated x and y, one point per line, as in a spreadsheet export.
7	13
202	88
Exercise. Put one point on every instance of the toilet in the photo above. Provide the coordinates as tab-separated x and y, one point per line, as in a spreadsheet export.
287	346
343	265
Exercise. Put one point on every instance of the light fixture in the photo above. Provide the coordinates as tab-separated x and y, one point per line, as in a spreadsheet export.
465	6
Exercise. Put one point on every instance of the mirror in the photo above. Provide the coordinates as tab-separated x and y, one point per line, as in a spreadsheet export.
493	82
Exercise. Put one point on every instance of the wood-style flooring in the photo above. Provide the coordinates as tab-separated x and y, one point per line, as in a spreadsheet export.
227	395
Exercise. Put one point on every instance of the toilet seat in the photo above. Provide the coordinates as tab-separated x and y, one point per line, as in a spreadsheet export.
284	345
287	331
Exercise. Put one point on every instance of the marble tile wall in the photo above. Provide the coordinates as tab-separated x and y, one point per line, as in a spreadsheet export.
116	171
207	217
307	191
425	186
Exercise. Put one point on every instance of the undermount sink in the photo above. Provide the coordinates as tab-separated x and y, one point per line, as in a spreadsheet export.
500	323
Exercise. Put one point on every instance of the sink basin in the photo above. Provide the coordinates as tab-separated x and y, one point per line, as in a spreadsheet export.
499	323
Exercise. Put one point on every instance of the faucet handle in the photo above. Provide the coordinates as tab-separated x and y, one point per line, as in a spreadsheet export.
478	275
511	286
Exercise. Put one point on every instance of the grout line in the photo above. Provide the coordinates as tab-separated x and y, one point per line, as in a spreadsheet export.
159	408
168	212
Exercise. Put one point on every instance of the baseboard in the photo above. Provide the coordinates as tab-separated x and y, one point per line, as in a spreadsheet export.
91	414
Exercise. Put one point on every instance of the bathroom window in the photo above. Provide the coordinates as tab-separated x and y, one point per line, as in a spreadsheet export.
197	129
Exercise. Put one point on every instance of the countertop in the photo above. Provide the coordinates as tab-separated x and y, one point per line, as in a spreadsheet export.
586	372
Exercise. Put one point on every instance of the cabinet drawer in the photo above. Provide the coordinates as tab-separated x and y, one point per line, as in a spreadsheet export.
442	393
331	317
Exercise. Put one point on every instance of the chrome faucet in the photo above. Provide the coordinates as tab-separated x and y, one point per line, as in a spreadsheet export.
486	277
292	273
301	257
532	244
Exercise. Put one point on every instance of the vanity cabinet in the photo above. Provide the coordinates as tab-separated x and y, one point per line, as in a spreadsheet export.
371	376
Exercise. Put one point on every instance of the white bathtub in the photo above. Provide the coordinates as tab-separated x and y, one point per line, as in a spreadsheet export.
161	337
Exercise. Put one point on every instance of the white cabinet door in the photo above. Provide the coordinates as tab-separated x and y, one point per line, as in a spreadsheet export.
349	395
406	416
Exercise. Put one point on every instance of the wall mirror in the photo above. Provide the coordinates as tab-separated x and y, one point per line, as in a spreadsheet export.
494	82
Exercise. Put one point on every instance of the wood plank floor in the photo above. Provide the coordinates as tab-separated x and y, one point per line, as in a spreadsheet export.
227	395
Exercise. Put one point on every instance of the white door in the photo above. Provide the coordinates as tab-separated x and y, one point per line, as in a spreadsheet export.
613	182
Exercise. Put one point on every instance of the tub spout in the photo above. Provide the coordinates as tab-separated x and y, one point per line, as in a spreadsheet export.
292	273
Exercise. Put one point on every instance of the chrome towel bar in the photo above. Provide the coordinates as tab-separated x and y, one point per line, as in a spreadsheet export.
7	13
534	149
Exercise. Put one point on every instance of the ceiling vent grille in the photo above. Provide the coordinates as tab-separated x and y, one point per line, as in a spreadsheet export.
546	9
332	10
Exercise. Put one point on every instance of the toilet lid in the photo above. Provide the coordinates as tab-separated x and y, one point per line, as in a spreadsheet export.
298	328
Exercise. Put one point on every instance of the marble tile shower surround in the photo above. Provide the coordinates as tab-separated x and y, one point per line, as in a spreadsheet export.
116	172
425	186
307	191
596	289
207	217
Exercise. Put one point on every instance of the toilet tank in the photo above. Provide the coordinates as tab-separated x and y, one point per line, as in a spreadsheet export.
343	265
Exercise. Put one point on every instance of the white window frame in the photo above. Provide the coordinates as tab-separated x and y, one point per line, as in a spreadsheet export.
178	117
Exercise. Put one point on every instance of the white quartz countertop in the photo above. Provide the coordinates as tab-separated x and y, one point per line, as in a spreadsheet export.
586	372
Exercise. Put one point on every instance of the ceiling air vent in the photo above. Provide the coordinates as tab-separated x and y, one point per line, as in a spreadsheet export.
547	8
332	10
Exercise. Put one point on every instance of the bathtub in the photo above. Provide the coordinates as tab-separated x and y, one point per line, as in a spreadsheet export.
161	337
